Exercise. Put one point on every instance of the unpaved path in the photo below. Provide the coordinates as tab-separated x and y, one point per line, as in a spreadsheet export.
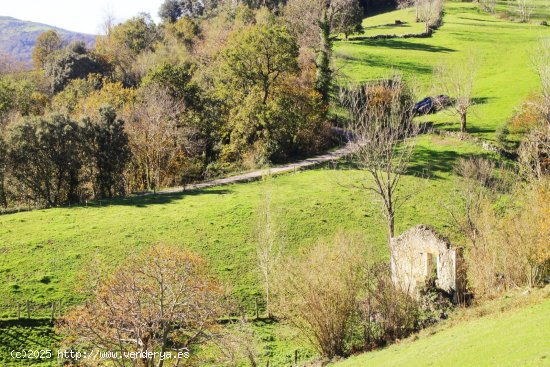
256	175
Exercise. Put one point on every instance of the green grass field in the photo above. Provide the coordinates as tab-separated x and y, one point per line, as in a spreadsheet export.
43	252
502	49
505	338
217	223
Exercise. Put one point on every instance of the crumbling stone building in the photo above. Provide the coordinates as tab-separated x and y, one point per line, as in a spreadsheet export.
420	254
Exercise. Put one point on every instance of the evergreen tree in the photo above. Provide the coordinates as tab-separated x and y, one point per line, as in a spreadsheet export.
108	151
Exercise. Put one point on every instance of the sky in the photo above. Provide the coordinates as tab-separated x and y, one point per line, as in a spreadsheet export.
83	16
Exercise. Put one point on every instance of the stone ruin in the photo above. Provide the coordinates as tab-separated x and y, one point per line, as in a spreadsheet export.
419	255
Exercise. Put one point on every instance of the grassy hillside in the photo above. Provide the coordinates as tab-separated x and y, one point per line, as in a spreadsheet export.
516	337
44	251
17	37
502	49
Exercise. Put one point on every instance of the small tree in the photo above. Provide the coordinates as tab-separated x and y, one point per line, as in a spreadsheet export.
269	246
457	81
476	173
525	9
161	301
382	130
430	12
488	5
349	20
318	293
46	44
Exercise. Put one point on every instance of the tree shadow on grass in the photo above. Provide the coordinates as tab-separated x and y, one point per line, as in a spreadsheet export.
386	63
431	163
401	44
145	200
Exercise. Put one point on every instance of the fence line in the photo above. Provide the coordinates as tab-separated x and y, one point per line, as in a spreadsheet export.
32	310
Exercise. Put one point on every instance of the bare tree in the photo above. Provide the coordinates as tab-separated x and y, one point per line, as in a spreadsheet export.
319	292
162	301
154	135
307	16
108	21
457	81
403	4
534	150
269	245
488	5
429	12
472	194
525	9
541	62
382	130
237	344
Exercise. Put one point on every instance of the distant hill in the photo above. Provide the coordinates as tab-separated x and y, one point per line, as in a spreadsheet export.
17	37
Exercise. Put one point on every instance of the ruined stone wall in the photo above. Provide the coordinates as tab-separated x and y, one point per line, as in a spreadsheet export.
418	253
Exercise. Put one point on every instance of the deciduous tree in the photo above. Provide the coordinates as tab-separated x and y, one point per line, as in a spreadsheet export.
382	130
46	44
457	81
162	301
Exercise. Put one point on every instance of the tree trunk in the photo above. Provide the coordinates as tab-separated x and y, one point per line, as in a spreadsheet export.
463	122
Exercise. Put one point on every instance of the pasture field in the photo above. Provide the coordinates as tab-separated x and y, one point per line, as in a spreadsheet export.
46	250
43	252
502	50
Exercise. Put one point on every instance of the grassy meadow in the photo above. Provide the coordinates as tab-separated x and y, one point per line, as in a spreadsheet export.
501	48
43	252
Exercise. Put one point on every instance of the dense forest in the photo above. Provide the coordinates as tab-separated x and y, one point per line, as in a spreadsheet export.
216	87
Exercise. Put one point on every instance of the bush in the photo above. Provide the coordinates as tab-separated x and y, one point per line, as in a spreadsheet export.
319	293
513	247
534	152
388	313
477	169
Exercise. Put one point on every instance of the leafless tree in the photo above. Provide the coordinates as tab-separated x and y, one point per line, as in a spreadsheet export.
305	17
457	81
382	129
429	12
525	9
269	245
472	194
403	4
318	293
154	135
238	343
488	5
534	151
108	22
541	61
161	301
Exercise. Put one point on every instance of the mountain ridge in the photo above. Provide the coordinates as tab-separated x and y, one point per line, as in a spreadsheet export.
17	37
